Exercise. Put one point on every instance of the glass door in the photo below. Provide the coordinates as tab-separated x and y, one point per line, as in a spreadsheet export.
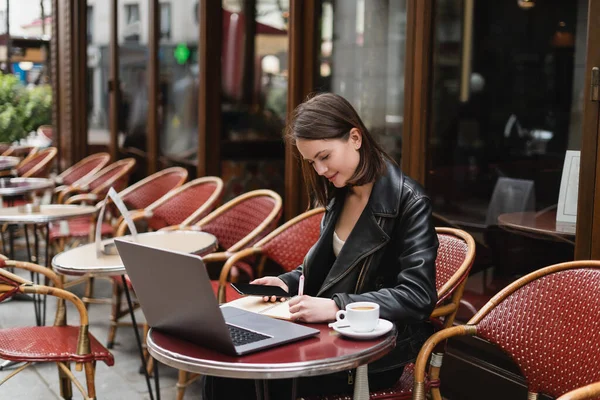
362	57
507	105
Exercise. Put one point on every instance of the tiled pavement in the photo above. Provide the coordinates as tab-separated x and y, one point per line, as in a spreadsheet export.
121	381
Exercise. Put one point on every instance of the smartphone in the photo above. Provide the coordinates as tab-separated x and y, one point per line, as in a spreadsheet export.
259	290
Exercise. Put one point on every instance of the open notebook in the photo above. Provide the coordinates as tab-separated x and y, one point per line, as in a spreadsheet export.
256	304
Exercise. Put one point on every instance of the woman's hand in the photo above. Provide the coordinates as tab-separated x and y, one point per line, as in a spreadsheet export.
312	309
271	281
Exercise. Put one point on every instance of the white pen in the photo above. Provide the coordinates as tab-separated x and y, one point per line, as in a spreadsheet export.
301	286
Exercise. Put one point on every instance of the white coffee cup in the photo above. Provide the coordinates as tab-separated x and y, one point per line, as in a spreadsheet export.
361	316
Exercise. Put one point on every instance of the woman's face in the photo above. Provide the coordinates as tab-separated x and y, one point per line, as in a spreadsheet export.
334	159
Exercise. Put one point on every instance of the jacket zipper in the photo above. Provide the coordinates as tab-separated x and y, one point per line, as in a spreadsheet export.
362	274
365	268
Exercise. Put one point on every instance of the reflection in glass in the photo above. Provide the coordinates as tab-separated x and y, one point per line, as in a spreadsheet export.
501	149
97	75
362	57
254	97
178	84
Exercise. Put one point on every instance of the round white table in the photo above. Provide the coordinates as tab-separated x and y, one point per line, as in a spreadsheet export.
7	162
85	260
20	186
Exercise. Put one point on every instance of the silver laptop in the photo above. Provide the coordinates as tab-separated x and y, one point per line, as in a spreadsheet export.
176	295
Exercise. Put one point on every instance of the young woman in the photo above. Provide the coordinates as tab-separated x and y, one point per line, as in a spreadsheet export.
377	239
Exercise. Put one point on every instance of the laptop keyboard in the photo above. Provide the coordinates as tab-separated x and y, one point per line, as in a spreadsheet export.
241	336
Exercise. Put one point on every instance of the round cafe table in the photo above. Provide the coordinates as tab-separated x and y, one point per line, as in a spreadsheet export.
40	215
538	224
322	354
85	260
20	186
7	163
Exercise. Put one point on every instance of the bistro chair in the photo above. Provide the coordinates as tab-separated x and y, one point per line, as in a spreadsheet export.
22	152
588	392
454	260
185	205
238	224
546	321
188	203
46	131
286	245
63	344
78	173
136	196
37	165
115	175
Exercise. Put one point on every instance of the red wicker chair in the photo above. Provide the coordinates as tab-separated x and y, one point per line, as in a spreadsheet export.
187	203
78	173
588	392
115	175
453	263
38	165
46	131
527	321
240	222
61	343
22	152
286	245
137	197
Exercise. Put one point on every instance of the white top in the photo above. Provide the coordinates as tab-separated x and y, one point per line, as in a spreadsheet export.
337	244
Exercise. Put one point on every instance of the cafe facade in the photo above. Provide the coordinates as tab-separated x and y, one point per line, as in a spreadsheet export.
480	102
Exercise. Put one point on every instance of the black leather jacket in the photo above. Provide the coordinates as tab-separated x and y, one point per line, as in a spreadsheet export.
388	258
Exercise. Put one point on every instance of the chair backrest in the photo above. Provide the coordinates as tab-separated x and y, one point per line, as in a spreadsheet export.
20	151
145	192
38	165
548	323
243	220
189	202
288	244
510	195
46	131
84	169
115	175
454	260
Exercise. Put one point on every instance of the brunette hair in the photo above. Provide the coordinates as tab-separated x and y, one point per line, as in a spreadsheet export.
329	116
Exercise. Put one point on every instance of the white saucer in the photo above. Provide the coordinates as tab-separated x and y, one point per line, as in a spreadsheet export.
383	327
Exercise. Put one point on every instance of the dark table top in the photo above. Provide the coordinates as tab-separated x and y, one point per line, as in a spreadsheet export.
325	353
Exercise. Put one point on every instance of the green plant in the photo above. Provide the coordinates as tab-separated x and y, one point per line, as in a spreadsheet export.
21	109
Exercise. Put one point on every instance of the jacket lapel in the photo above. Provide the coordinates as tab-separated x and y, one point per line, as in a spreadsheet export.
365	239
